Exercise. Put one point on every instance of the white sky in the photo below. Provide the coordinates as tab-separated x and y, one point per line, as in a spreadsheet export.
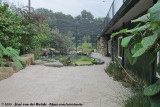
98	8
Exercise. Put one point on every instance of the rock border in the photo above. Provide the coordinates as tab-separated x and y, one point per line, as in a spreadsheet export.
6	72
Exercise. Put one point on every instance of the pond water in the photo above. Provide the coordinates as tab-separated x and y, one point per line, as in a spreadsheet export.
72	56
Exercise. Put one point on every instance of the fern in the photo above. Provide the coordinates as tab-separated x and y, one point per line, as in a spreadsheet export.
13	54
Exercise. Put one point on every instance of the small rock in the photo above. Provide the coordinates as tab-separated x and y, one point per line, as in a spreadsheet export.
52	49
38	62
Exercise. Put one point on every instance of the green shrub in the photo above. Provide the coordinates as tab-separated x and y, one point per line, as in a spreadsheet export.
62	43
87	51
11	29
85	45
62	59
74	61
21	31
93	47
65	61
37	57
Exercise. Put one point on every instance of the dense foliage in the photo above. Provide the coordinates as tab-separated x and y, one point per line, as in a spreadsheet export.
23	32
146	38
58	41
84	27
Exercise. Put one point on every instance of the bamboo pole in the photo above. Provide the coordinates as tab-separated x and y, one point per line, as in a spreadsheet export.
125	70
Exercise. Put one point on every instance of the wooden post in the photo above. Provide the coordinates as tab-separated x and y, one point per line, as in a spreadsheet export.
107	44
76	38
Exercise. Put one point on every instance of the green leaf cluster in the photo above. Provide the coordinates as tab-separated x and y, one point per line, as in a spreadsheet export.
12	53
144	37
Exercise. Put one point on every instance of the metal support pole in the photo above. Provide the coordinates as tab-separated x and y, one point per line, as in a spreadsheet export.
29	7
0	2
76	37
92	38
113	9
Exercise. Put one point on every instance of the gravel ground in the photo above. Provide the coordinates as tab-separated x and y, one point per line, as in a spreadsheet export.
86	85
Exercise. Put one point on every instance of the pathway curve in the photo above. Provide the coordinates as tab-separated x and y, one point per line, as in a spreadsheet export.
87	85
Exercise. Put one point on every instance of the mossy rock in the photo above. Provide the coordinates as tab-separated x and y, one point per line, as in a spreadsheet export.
27	61
29	57
82	63
94	61
13	65
6	72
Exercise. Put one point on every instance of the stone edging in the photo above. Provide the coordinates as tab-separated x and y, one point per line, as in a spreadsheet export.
6	72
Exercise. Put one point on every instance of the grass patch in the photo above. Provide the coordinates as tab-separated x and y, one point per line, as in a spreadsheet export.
138	100
87	51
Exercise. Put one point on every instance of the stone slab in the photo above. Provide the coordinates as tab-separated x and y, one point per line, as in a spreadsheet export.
54	64
38	62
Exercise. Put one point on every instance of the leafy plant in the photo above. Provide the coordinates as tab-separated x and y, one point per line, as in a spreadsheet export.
10	52
146	37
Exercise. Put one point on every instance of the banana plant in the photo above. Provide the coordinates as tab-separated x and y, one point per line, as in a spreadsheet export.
144	37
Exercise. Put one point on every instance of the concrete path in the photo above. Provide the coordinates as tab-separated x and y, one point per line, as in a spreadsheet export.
87	86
